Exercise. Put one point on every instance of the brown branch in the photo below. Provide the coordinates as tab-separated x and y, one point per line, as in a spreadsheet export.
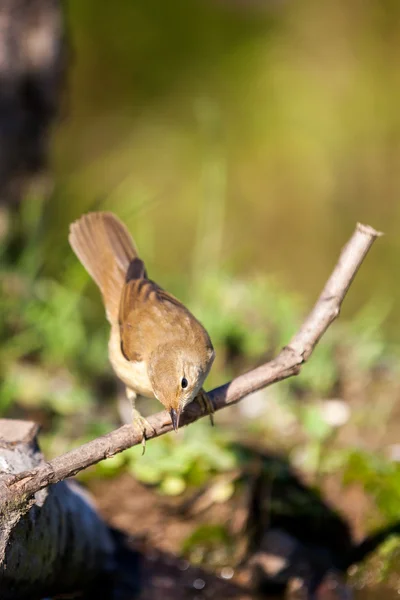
286	364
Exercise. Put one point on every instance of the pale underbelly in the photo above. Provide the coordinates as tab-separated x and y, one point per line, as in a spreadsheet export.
132	374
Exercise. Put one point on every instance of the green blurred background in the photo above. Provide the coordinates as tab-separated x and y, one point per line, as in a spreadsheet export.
240	142
245	136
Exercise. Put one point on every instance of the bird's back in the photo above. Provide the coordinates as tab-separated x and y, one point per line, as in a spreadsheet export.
151	317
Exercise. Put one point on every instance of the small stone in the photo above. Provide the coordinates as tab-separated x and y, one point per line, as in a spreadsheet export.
184	565
335	412
199	584
254	405
227	573
394	452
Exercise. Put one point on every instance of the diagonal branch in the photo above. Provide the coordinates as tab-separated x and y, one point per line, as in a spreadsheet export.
18	488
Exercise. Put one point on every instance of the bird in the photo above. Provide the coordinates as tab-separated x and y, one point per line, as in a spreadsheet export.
157	348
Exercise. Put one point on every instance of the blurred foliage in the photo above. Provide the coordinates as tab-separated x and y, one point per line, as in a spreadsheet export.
380	477
173	463
286	113
209	545
240	142
381	569
54	368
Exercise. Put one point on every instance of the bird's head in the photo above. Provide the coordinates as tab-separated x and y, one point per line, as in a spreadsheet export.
177	373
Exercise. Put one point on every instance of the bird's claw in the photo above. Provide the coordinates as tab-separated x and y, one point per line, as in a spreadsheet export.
206	404
143	425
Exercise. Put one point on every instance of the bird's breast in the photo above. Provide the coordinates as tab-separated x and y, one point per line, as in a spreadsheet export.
132	374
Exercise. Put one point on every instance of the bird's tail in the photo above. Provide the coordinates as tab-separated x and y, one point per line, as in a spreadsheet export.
106	249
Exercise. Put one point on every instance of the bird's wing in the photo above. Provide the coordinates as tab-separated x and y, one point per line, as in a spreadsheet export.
149	316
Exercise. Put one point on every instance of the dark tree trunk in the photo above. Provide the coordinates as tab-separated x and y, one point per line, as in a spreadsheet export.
51	543
31	71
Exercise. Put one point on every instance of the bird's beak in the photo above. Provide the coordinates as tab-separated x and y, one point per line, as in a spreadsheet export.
175	418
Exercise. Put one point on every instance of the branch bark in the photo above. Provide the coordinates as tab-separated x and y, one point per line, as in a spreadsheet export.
288	363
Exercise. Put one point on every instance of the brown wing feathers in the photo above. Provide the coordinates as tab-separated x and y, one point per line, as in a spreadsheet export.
106	249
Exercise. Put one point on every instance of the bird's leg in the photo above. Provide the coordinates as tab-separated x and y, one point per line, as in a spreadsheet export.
206	404
138	420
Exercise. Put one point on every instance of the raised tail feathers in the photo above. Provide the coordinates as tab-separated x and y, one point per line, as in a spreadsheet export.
105	248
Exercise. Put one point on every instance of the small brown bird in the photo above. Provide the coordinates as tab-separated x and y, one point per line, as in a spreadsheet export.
157	347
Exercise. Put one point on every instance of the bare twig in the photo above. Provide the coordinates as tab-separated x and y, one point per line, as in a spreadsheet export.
286	364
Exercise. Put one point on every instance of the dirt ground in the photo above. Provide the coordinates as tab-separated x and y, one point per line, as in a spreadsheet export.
156	528
157	531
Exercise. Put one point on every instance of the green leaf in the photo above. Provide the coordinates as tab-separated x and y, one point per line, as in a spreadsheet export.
147	473
313	423
172	485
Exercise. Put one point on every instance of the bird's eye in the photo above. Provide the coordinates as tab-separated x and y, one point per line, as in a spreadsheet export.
184	382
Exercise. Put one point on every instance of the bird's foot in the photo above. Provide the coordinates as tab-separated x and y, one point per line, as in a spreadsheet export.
143	425
206	404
